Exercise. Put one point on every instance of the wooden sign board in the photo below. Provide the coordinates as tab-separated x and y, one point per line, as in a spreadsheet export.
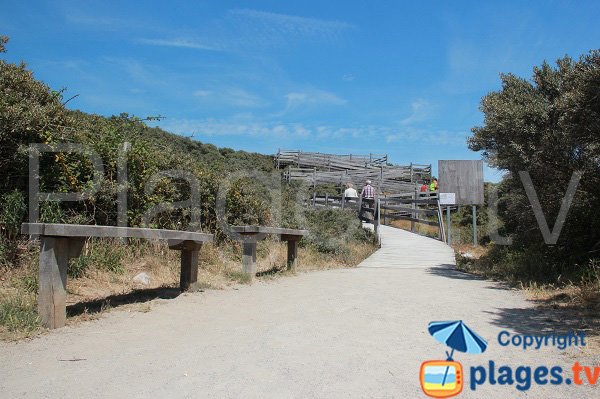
464	179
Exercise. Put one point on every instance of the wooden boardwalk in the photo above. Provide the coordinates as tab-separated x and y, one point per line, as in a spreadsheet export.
401	249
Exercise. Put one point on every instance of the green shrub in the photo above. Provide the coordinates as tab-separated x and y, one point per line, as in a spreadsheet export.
8	251
78	266
51	212
12	213
27	283
106	255
18	313
3	253
331	229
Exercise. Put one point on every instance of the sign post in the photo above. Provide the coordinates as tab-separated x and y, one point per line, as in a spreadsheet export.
448	199
475	225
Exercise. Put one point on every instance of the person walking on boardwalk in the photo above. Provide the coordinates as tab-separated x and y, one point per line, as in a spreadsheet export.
368	191
350	192
367	208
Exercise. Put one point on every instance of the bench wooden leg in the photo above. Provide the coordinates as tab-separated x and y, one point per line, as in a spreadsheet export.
249	258
189	268
55	253
292	254
52	291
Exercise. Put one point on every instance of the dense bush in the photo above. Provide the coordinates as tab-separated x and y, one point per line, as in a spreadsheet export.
331	228
549	127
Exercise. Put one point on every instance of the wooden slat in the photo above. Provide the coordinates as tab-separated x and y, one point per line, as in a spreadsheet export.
400	217
80	230
410	210
409	201
268	230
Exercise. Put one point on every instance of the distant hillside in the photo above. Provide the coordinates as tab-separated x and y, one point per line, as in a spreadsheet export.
31	112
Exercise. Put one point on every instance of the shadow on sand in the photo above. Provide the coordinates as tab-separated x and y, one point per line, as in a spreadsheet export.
113	301
557	314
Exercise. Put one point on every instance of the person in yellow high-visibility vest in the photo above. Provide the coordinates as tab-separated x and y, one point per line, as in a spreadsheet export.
433	186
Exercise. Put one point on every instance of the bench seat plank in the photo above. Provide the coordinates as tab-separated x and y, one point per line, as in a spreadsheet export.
81	230
268	230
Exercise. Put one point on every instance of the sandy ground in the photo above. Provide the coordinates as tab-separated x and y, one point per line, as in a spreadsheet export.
359	333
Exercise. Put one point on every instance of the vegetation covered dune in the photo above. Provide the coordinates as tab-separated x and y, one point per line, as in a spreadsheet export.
245	184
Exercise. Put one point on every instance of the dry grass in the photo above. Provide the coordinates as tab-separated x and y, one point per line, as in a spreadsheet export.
568	306
576	306
423	229
100	289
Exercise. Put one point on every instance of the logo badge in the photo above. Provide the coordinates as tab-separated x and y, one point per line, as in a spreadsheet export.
444	378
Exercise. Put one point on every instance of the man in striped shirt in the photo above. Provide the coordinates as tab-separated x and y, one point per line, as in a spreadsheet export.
368	191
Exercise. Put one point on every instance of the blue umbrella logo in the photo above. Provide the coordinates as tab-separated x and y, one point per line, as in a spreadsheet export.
457	336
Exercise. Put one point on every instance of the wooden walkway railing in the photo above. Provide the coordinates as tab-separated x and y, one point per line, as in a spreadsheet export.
317	169
419	207
298	159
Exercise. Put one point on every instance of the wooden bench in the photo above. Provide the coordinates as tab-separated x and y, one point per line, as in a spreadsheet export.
250	235
61	242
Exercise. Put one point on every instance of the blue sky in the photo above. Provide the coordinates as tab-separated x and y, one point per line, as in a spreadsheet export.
403	78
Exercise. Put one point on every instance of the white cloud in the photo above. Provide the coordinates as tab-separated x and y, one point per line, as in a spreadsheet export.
230	96
246	125
290	25
311	98
419	111
180	42
244	30
235	127
242	98
440	137
348	77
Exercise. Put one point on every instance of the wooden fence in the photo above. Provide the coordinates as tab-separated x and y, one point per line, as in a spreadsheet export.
301	159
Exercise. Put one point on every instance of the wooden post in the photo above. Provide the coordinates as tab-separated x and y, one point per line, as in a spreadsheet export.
249	257
278	156
440	215
292	254
414	214
359	207
52	292
384	210
189	261
475	225
189	268
314	198
376	221
449	223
